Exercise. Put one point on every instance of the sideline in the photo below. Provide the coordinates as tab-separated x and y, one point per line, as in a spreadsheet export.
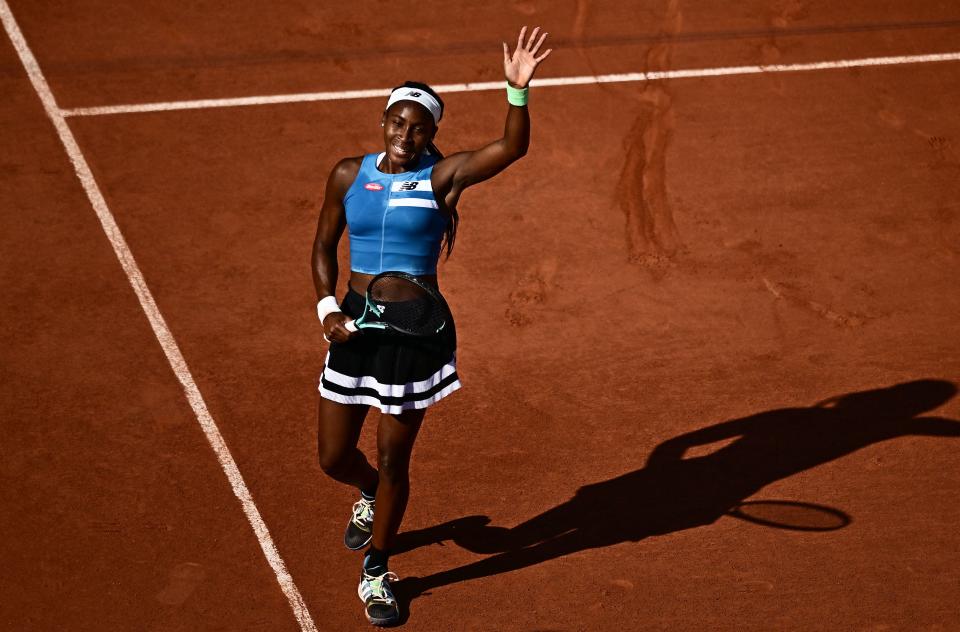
159	326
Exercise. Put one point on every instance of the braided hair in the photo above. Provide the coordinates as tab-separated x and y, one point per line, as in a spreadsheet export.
453	220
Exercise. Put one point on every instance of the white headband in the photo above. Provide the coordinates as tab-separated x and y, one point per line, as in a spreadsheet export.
423	98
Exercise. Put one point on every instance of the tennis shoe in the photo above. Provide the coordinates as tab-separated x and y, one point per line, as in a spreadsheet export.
360	528
379	603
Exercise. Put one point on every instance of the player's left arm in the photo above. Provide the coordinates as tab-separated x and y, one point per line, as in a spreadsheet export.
460	170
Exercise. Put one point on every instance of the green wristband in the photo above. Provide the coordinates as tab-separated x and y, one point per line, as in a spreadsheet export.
517	96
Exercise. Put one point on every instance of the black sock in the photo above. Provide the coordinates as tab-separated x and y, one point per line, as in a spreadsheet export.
375	562
369	496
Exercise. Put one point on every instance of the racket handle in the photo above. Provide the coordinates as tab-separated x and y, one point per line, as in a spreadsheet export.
351	325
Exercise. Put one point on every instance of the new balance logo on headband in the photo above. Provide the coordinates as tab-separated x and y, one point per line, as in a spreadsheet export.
426	100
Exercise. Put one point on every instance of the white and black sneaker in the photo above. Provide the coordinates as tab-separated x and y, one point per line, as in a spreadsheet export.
360	528
379	603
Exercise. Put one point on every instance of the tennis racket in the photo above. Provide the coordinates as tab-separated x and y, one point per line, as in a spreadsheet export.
400	302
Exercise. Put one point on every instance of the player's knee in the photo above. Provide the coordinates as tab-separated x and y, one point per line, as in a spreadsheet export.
393	470
333	462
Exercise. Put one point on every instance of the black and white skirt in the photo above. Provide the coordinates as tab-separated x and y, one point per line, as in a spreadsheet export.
391	371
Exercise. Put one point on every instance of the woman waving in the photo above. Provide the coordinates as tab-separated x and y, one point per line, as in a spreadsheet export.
399	206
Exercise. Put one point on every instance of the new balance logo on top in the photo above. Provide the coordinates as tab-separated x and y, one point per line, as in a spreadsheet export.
410	185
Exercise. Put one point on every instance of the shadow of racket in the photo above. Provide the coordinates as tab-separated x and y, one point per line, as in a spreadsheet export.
791	515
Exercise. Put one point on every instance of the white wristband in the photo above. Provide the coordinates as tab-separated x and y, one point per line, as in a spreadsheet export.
327	306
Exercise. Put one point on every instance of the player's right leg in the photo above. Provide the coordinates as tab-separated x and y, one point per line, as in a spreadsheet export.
339	428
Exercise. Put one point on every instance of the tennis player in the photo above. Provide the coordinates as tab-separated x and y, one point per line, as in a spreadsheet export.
399	207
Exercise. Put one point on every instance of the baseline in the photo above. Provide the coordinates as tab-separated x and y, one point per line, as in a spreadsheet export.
498	85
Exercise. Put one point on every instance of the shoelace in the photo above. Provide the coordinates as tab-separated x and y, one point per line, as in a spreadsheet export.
380	589
363	511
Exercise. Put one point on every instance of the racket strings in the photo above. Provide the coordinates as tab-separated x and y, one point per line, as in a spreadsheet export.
407	306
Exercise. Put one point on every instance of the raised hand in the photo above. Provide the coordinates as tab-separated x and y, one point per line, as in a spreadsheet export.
519	67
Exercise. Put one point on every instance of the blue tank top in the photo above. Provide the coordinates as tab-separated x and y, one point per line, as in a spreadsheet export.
393	219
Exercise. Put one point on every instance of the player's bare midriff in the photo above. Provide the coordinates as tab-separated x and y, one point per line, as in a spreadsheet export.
359	281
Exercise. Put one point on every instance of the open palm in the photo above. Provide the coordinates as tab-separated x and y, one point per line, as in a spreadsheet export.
519	67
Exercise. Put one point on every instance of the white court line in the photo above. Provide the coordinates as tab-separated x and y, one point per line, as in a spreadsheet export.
498	85
160	329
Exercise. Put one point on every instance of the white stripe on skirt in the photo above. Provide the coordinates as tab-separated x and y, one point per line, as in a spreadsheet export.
390	409
388	390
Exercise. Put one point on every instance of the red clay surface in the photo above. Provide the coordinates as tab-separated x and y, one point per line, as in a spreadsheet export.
651	305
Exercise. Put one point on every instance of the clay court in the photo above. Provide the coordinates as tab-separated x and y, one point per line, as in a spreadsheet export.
708	326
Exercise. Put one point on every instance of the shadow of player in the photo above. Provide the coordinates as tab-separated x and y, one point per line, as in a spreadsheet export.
671	493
